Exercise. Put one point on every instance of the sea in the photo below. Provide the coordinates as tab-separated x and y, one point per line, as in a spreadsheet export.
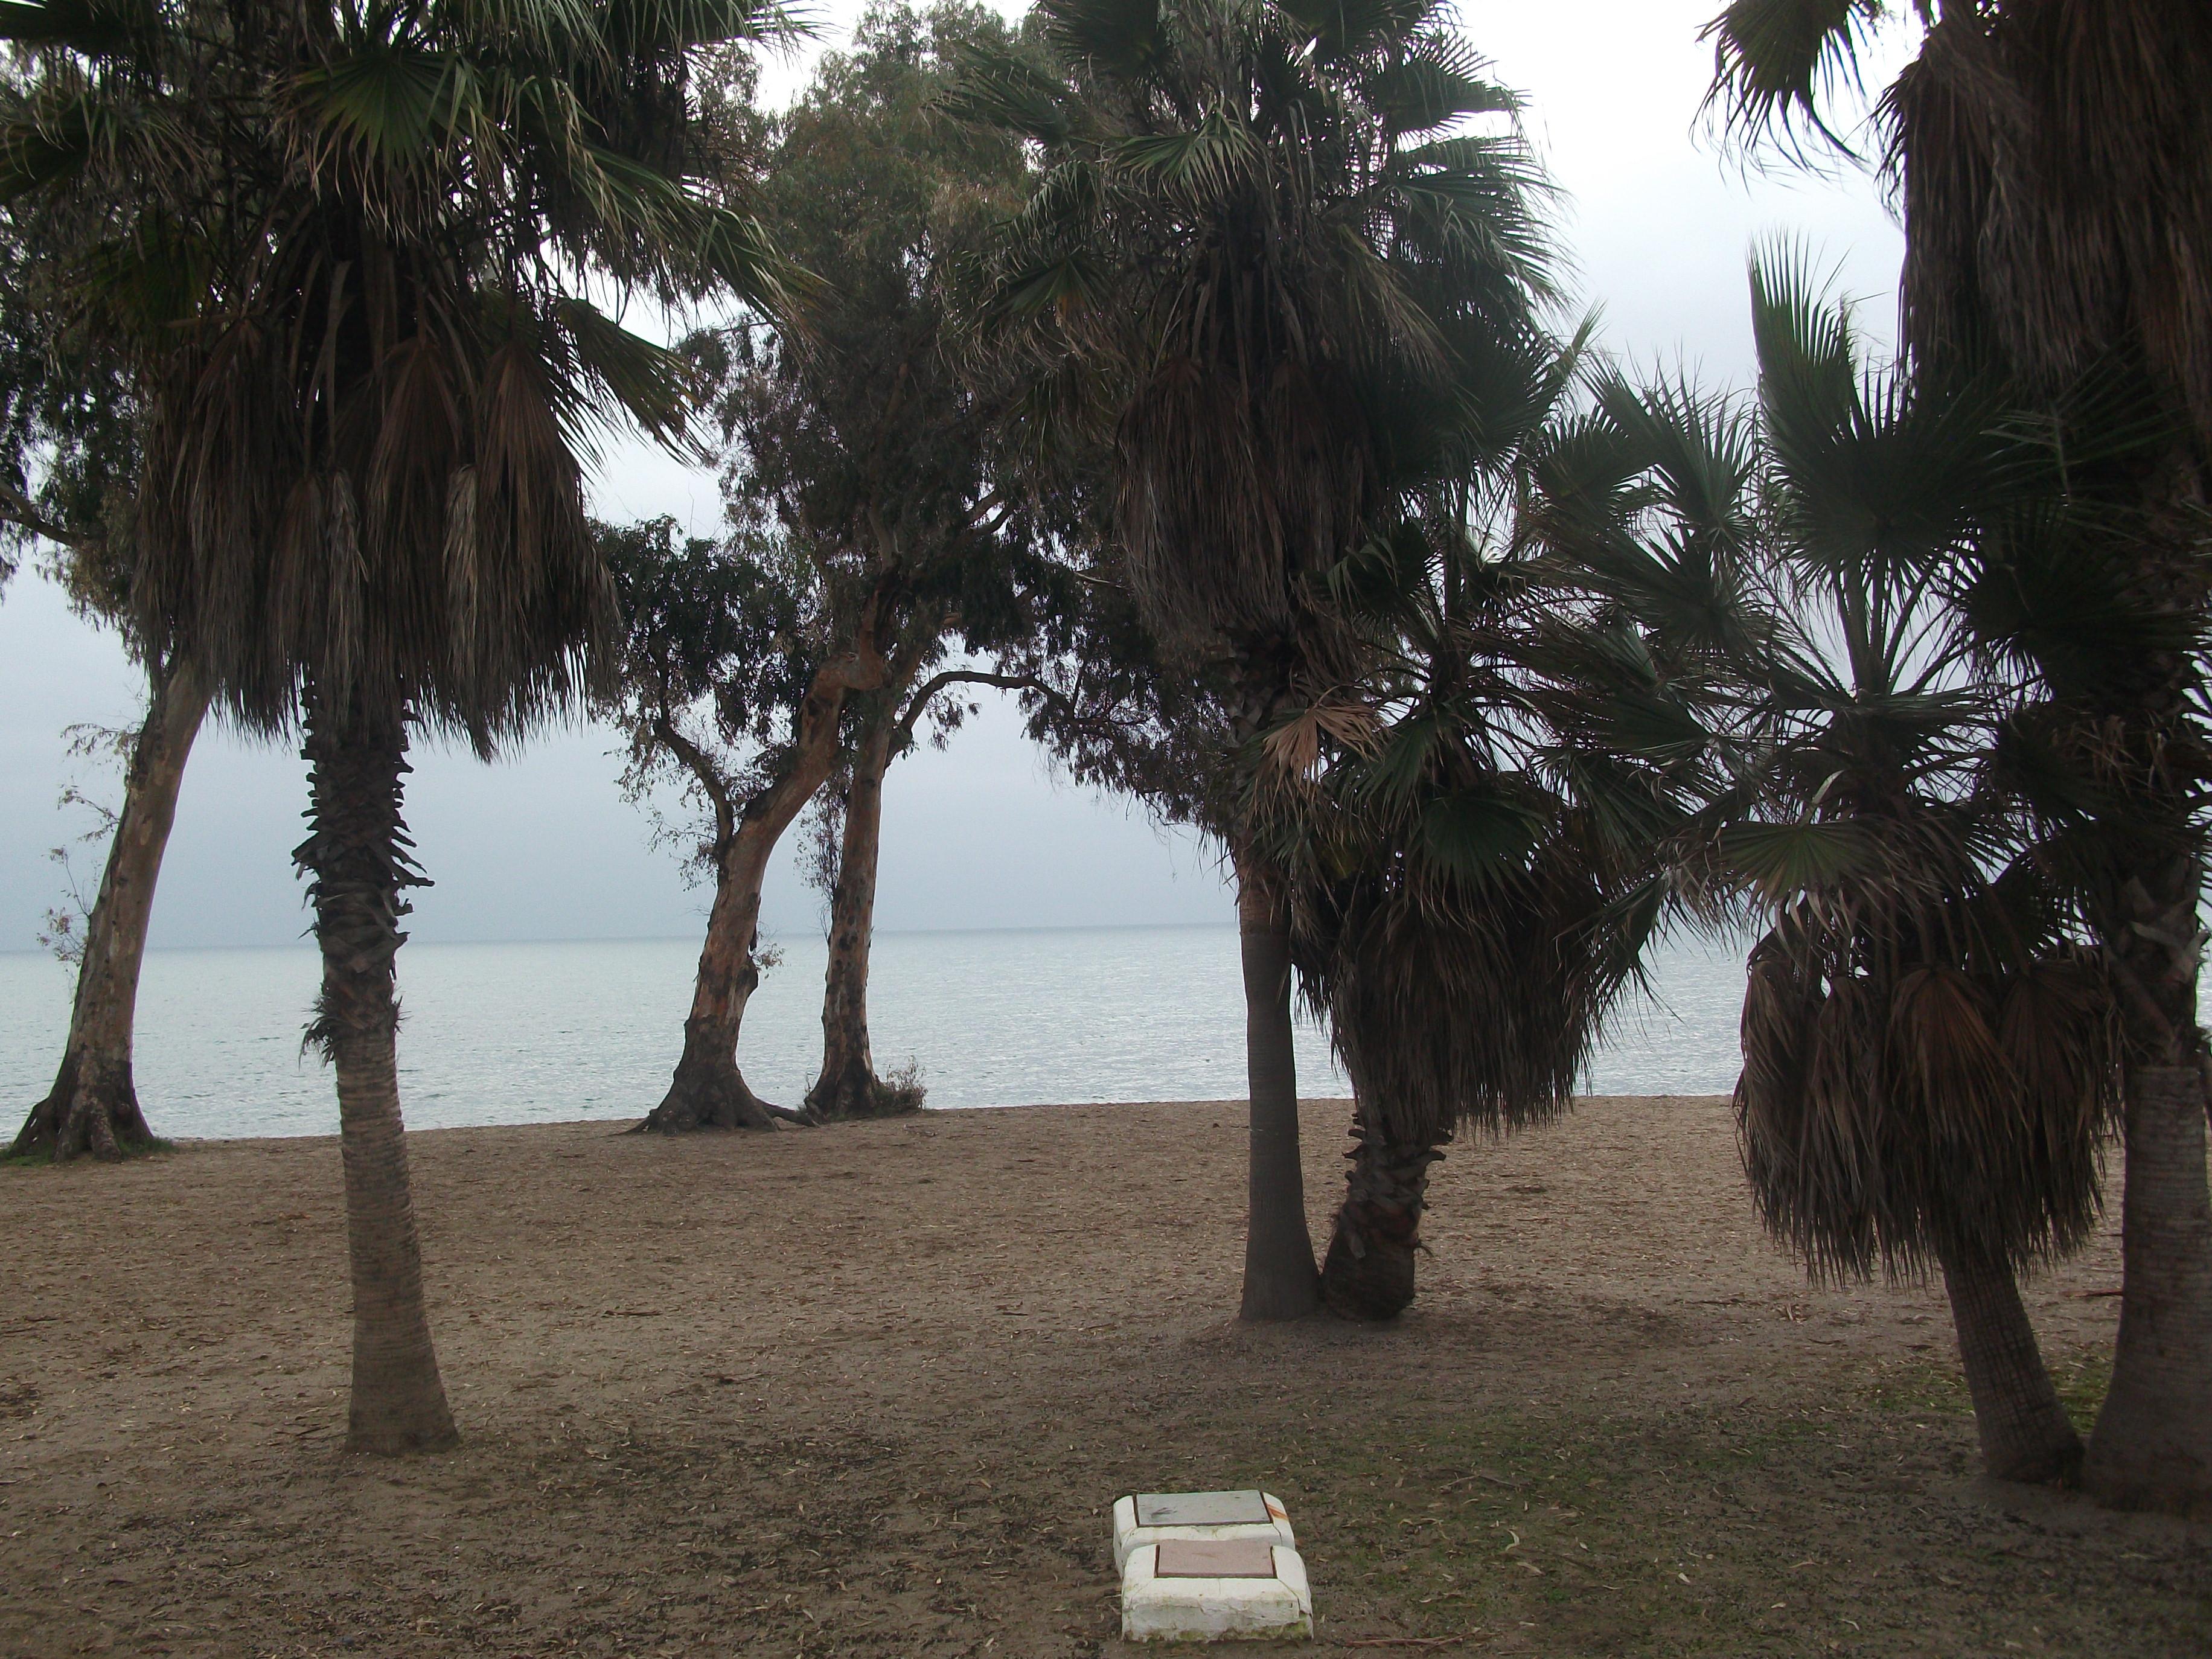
541	1033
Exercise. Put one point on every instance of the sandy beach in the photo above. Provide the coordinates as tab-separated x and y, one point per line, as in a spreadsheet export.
871	1389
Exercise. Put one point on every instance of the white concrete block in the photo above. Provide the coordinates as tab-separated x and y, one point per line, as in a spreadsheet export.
1191	1590
1154	1517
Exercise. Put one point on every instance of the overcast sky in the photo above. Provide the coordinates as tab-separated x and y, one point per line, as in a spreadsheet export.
980	834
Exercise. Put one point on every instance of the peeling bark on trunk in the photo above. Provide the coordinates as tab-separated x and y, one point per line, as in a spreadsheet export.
1369	1271
709	1091
94	1105
1280	1278
2152	1448
849	1087
2025	1432
358	861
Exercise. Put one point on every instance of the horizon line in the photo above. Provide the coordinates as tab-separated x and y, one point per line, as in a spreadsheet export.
305	942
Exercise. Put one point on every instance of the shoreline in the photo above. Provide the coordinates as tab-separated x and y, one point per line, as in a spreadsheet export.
1341	1103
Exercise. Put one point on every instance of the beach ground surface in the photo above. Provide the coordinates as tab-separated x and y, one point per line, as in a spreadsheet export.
870	1390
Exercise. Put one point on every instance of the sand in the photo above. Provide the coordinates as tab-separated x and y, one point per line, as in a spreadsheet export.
870	1390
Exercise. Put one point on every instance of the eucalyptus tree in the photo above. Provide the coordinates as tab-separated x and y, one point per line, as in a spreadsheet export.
735	664
1087	679
867	451
92	1107
68	436
1267	233
2053	162
848	1086
370	375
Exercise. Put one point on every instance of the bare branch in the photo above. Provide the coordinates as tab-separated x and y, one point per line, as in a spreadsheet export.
698	762
16	508
902	734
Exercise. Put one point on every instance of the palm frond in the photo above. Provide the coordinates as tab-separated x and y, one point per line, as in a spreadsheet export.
1786	859
1004	90
390	98
1776	63
1112	37
47	145
655	385
1437	84
97	28
1207	159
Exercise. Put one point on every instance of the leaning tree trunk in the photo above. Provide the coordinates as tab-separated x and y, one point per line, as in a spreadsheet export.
2025	1432
1279	1281
358	862
94	1105
1369	1271
848	1086
709	1091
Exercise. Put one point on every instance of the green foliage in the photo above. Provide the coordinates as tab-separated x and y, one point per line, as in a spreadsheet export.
874	442
1264	246
68	439
1481	840
876	511
735	624
345	258
1930	1042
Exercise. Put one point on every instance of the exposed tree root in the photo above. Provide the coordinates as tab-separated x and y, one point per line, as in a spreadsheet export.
709	1092
856	1094
92	1111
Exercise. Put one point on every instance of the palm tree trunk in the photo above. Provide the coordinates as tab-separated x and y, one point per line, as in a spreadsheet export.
357	858
2025	1432
2152	1447
1369	1271
94	1105
848	1086
1280	1279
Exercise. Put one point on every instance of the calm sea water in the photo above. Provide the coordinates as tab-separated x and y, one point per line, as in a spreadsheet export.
543	1033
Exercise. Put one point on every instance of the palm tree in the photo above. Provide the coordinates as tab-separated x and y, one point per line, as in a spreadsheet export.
2053	159
367	417
1930	1045
1266	232
1482	860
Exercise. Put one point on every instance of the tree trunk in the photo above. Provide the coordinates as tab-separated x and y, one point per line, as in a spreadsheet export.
848	1086
1280	1279
358	862
2152	1445
2152	1448
94	1105
709	1091
2025	1432
1369	1272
